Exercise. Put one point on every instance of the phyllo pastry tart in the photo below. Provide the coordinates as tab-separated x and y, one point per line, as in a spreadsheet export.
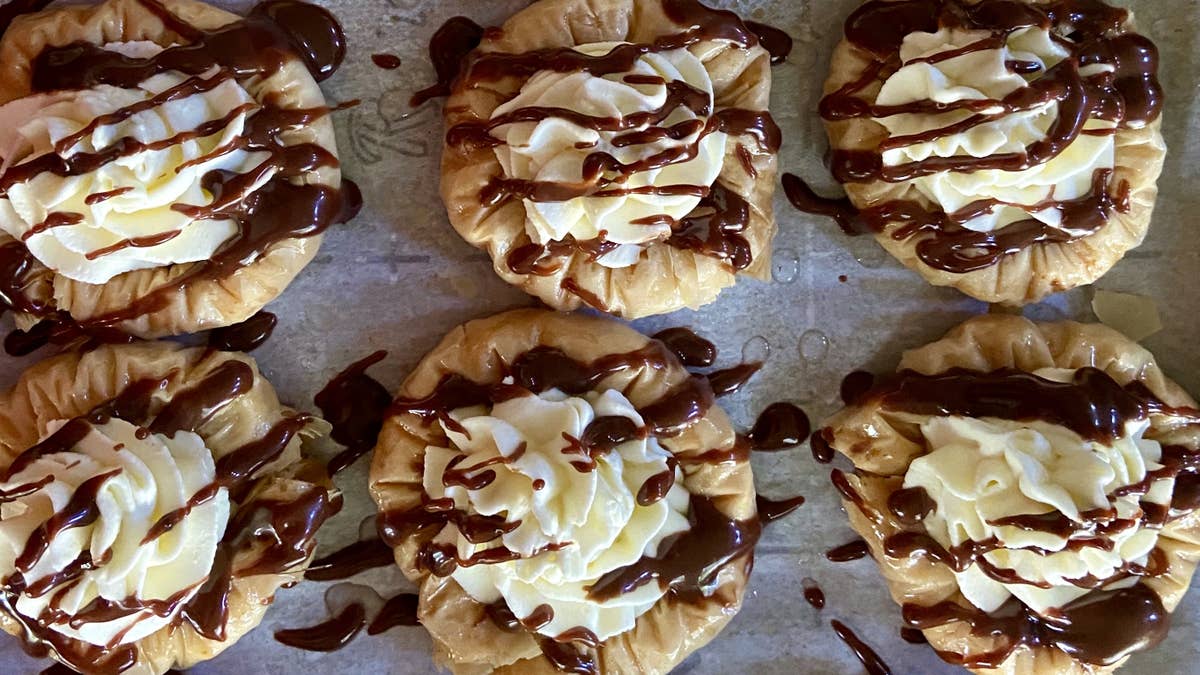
567	496
1008	149
617	154
153	499
1029	492
166	166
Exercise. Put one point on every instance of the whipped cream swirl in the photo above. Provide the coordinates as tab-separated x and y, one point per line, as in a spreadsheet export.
117	217
980	472
554	150
125	481
572	521
949	66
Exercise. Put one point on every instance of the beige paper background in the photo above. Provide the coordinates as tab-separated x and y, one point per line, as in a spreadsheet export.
398	278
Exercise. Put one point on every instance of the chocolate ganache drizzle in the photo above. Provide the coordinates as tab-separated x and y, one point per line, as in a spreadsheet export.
716	225
1110	75
269	203
1110	620
686	566
269	536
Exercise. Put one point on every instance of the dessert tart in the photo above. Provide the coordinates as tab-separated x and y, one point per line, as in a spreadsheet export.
167	166
617	154
1008	149
153	499
567	496
1029	492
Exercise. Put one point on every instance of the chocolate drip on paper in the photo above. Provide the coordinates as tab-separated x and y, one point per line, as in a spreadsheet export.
871	661
328	636
356	405
245	336
351	560
1129	96
715	226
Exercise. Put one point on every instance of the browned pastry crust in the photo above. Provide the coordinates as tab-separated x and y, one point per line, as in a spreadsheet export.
465	639
72	384
883	443
1035	271
203	303
665	278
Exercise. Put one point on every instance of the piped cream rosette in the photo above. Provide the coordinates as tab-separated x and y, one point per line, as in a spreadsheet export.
979	472
637	273
595	510
133	477
142	187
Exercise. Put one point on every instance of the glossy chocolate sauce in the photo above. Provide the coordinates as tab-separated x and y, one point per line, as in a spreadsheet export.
1100	628
450	45
1092	404
913	636
777	43
692	562
813	594
771	510
355	404
692	350
386	61
870	660
329	635
245	336
398	610
274	33
848	552
780	425
1129	96
351	560
819	443
855	385
730	380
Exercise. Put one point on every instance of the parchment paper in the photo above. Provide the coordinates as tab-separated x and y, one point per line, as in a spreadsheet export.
398	278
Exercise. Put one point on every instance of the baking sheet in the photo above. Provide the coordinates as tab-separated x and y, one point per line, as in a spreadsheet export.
398	278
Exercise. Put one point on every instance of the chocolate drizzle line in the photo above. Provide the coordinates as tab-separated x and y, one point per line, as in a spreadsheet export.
848	552
282	539
274	33
1103	626
1129	95
870	660
716	226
